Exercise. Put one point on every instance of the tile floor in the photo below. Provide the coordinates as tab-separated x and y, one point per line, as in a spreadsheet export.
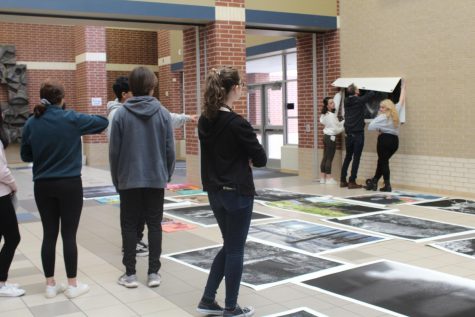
100	261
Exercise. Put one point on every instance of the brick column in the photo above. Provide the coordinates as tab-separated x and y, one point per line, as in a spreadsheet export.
225	46
328	69
170	86
91	81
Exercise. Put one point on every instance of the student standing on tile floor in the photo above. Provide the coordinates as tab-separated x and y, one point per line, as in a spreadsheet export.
8	221
52	141
122	92
229	147
142	161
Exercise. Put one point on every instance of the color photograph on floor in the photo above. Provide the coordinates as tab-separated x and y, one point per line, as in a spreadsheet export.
403	289
310	237
404	227
324	207
264	265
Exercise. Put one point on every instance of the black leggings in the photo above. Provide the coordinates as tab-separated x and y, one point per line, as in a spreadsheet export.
386	147
10	234
329	148
59	201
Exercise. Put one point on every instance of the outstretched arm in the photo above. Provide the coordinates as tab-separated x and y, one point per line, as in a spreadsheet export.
402	96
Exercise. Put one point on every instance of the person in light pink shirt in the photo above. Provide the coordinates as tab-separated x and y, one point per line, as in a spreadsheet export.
8	221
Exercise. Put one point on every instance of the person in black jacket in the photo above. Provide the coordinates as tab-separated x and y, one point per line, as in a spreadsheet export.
229	147
354	129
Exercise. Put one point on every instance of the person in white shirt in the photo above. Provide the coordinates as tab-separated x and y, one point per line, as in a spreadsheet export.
332	127
8	221
387	123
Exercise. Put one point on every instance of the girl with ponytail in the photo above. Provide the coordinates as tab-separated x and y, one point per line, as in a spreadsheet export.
52	141
387	123
228	147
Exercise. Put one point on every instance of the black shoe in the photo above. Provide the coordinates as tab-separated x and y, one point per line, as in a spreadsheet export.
371	184
212	309
386	188
239	312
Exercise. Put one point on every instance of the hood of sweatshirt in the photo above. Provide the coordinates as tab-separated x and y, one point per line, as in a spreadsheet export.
143	106
210	129
111	105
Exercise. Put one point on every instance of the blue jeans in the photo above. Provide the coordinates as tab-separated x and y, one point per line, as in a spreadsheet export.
354	147
233	213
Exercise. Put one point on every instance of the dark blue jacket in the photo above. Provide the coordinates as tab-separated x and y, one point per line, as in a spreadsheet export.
53	141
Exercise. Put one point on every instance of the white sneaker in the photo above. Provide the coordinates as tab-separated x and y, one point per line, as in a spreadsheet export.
331	181
129	281
53	290
75	291
322	180
10	291
154	279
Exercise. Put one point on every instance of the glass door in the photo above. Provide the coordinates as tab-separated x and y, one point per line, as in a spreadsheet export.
265	110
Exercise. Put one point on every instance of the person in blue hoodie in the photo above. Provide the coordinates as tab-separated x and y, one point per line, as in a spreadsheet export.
142	161
387	123
52	141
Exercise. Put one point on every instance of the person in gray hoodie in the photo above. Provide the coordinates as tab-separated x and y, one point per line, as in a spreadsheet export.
122	92
142	161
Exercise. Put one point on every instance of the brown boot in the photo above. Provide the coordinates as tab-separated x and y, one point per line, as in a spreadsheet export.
353	185
343	184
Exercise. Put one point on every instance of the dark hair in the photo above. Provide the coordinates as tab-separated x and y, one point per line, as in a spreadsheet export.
218	85
51	91
3	134
325	105
141	81
351	90
121	85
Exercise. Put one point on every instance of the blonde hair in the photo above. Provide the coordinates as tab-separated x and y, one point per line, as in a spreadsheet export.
391	112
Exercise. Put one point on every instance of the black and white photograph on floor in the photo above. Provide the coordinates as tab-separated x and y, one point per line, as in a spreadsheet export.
464	247
404	227
455	205
298	312
403	289
99	191
272	194
203	215
264	265
393	198
325	207
377	199
305	236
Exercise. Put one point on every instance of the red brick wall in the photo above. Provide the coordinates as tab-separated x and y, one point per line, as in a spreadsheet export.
328	41
227	47
38	42
170	83
190	100
131	47
41	43
91	77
